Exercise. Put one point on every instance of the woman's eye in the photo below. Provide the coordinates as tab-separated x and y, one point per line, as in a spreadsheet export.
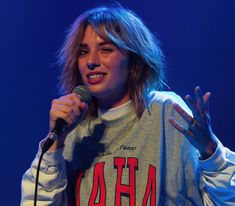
107	50
83	52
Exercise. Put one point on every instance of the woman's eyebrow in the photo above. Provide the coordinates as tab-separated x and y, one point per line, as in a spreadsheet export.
104	43
83	45
101	43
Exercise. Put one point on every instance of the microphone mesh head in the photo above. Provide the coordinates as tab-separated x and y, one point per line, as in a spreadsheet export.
84	92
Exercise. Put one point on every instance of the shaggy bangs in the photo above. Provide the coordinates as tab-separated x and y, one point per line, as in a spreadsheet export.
109	25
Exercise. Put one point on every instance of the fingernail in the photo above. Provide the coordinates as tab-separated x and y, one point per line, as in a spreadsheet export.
187	96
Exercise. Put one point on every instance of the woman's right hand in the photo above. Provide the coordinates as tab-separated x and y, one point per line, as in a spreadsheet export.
72	110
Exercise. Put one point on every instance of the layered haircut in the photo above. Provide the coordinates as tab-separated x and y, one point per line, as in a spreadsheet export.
125	30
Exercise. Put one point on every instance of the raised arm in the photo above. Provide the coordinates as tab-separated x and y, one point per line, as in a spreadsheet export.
217	163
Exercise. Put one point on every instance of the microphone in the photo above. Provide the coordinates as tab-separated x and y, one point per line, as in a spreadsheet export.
61	124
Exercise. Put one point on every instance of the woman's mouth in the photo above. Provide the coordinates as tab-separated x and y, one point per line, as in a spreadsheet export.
95	78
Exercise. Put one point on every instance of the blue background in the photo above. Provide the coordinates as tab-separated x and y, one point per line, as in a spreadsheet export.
197	38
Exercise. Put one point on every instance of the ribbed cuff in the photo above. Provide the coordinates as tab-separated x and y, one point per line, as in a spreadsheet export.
51	157
214	162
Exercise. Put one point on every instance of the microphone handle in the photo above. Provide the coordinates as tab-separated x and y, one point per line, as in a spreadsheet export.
61	125
59	128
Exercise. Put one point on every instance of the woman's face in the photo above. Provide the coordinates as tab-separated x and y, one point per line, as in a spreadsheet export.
104	69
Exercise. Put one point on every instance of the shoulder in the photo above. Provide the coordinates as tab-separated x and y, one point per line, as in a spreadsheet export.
166	99
162	97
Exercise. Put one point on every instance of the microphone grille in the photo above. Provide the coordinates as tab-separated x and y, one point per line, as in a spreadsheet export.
84	92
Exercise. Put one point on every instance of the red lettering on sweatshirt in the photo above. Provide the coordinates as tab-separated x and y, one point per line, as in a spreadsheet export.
98	191
98	185
123	189
80	174
151	187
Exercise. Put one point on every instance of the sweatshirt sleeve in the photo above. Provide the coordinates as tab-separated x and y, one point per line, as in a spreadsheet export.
52	180
218	177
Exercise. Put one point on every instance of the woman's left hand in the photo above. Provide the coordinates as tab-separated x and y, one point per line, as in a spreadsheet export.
199	131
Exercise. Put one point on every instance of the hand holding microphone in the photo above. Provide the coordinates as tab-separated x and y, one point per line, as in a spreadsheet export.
66	112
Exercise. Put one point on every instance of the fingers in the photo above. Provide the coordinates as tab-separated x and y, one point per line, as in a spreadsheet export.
199	131
180	128
192	106
68	104
206	98
200	109
184	114
186	117
199	100
67	107
199	106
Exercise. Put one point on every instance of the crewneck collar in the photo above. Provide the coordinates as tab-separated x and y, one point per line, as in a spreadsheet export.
116	112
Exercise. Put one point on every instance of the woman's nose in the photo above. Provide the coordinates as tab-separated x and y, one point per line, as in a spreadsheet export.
93	61
92	66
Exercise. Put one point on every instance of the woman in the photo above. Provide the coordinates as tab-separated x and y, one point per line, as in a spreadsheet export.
134	144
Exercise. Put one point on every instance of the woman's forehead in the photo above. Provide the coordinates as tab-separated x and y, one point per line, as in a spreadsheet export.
97	36
92	35
89	34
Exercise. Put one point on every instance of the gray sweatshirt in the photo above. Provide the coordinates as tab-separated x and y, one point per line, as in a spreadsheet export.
118	159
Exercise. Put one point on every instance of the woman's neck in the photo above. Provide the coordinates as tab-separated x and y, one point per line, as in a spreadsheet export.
114	101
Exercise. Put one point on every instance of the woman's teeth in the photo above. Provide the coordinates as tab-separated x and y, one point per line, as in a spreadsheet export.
94	76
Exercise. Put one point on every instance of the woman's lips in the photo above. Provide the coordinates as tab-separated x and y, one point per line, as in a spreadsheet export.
95	77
